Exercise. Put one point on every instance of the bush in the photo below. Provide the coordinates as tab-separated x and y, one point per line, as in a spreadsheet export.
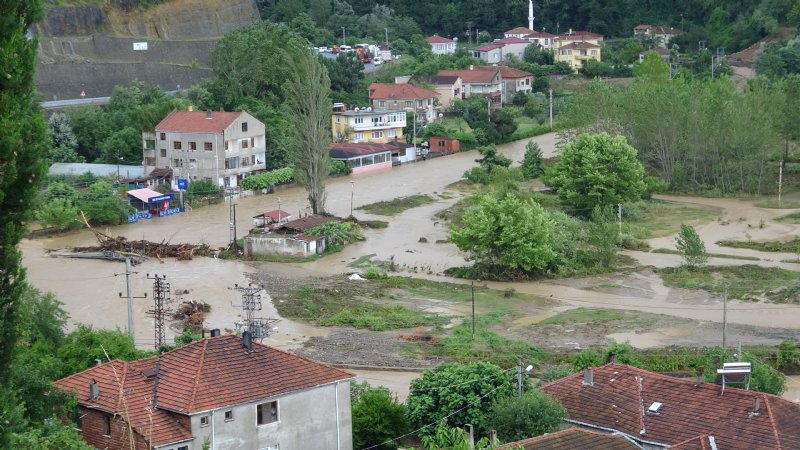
375	273
533	414
60	214
266	179
337	233
377	417
586	358
555	372
788	356
477	175
340	167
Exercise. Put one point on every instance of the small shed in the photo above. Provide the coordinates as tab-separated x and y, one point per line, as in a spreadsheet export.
363	157
443	144
149	200
276	216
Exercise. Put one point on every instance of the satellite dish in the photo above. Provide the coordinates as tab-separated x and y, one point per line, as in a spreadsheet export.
369	109
355	109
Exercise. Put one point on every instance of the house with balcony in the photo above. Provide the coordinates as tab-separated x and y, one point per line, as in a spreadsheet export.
579	36
449	88
441	45
513	80
499	50
366	124
220	146
483	82
577	54
543	39
222	392
405	97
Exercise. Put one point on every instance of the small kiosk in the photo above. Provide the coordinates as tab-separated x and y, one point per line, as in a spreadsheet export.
149	202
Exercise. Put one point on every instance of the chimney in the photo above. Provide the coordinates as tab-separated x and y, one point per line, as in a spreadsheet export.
97	362
701	378
208	114
612	357
94	390
756	407
471	67
588	377
190	108
215	332
247	341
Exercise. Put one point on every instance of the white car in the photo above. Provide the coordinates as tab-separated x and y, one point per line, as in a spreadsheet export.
377	60
324	50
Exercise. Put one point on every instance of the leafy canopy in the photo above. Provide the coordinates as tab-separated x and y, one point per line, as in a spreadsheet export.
533	414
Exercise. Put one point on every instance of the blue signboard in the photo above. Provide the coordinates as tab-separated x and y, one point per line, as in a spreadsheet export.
183	183
160	198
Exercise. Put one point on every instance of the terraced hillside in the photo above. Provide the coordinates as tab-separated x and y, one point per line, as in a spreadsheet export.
88	45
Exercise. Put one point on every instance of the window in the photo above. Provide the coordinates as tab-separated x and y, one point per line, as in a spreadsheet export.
107	426
377	134
366	161
355	162
149	143
380	158
244	127
78	419
149	161
244	143
381	103
245	161
226	146
338	119
267	413
208	146
177	163
231	163
162	136
392	133
203	421
594	52
183	447
228	415
252	142
359	136
176	145
358	120
163	153
192	145
409	104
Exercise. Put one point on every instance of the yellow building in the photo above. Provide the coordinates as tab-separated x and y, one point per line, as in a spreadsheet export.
576	48
366	125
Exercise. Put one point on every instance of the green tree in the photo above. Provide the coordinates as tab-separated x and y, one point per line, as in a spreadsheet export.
652	67
377	417
454	394
452	439
691	247
122	147
492	159
597	170
91	127
23	147
50	437
347	76
85	345
507	233
533	161
61	132
533	414
308	104
61	214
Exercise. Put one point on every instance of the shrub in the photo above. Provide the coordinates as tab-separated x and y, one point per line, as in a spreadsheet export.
337	233
266	179
375	273
377	417
533	414
340	167
555	372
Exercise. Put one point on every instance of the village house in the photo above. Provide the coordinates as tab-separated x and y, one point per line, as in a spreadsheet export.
500	49
290	238
219	146
518	32
224	392
660	35
406	97
544	40
483	82
661	411
442	45
514	80
366	124
577	47
276	217
449	88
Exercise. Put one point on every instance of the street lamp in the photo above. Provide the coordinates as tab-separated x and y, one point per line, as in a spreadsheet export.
352	194
344	41
119	158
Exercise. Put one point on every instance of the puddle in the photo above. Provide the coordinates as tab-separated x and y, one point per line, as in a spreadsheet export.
655	338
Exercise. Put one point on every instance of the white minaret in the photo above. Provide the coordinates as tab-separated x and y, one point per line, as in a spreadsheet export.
530	14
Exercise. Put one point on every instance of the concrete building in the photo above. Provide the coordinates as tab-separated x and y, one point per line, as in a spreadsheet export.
366	124
661	35
221	390
514	80
500	49
577	54
518	32
223	147
484	82
441	45
449	88
407	97
544	40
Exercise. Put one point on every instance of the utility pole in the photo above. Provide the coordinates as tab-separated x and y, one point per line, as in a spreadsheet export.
160	311
724	314
551	110
235	243
128	273
519	375
472	286
251	301
780	182
352	194
619	216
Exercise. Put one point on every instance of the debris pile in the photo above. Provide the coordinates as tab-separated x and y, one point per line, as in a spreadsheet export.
147	248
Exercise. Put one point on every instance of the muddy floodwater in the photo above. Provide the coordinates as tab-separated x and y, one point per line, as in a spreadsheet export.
416	241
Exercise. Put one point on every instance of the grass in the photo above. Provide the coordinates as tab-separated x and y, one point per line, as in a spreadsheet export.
373	223
792	246
773	204
669	251
336	307
747	282
396	206
630	320
486	297
651	219
790	218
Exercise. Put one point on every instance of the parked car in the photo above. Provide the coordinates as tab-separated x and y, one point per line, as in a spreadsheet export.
324	50
377	60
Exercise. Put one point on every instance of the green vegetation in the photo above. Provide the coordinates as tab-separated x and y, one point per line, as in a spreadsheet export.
60	204
337	233
773	204
396	206
377	417
651	219
373	223
790	218
691	247
337	307
669	251
533	414
266	180
792	246
745	282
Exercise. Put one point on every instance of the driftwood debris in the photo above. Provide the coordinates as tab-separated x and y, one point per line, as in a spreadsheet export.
144	248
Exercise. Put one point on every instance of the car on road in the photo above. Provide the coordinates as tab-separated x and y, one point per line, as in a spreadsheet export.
377	60
324	50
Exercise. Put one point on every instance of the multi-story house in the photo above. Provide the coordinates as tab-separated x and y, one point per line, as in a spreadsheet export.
544	40
222	392
448	87
366	124
223	147
577	47
407	97
518	32
661	35
514	80
484	82
441	45
500	49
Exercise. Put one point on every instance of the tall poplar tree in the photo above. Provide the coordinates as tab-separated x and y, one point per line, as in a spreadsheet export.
23	146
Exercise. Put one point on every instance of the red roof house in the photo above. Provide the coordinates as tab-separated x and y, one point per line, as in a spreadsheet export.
661	411
216	389
573	439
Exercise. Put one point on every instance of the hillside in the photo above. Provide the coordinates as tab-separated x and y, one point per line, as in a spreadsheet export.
87	46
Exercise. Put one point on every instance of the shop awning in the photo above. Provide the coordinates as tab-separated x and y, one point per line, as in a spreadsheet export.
149	196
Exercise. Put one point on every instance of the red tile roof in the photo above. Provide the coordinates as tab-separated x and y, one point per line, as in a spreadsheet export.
658	29
197	121
347	150
507	72
303	224
519	30
540	34
579	35
399	91
621	394
579	45
511	40
438	40
490	47
573	439
474	76
203	375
